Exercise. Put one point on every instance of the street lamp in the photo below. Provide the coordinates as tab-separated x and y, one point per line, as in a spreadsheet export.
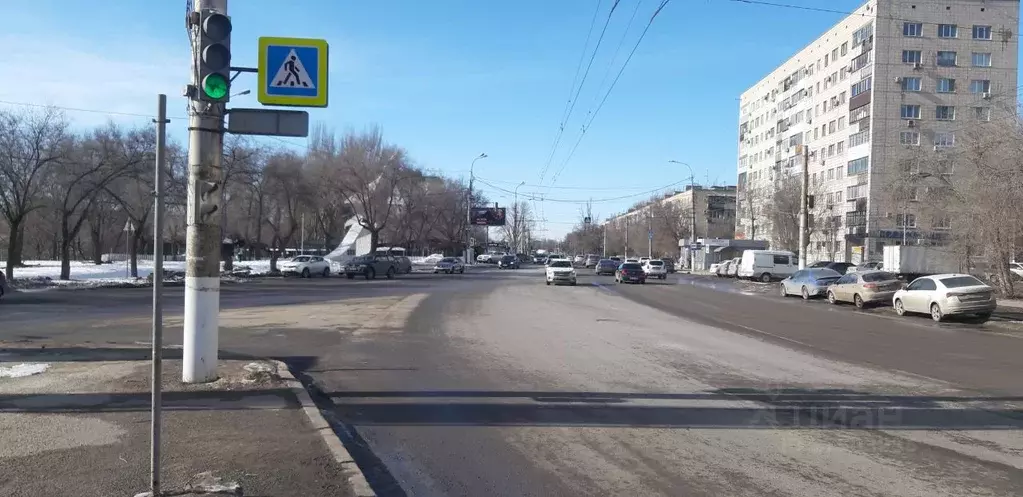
468	208
692	189
515	215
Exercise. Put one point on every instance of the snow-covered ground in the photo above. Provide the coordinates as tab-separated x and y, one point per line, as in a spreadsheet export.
87	274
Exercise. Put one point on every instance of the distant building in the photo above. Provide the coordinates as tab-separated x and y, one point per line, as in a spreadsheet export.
892	76
715	210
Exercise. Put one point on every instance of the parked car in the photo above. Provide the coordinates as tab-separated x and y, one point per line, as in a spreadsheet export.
605	266
943	295
591	261
630	272
809	283
306	266
579	260
508	262
654	268
841	267
868	266
714	267
449	265
864	287
1016	268
767	265
370	266
733	268
722	268
560	271
403	263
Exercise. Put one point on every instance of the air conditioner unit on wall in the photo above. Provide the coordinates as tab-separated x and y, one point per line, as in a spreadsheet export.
918	65
898	79
911	123
986	95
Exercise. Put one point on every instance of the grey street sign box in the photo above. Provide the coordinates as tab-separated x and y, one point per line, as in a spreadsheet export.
293	123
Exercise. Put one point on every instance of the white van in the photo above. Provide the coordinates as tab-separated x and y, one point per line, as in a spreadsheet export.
767	265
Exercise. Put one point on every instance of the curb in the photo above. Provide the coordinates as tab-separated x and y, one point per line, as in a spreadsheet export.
356	479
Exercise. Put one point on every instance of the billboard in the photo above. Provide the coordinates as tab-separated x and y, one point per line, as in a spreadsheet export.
487	216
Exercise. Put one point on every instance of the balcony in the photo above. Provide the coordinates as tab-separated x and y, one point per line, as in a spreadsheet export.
856	219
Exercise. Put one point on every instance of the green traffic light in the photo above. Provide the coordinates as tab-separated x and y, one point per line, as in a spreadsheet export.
215	86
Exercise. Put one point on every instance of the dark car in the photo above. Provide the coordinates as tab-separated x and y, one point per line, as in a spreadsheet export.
630	272
508	262
370	266
605	266
840	267
669	264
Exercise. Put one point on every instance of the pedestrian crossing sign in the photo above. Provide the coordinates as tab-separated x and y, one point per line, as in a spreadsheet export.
292	72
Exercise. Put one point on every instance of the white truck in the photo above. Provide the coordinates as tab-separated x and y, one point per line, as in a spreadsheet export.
911	260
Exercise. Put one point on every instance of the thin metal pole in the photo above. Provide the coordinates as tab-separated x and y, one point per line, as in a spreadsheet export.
804	207
161	138
303	234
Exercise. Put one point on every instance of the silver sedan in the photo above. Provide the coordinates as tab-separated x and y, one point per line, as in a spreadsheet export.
809	283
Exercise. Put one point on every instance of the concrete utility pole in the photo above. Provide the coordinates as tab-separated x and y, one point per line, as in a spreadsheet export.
626	254
468	213
649	235
157	392
692	209
210	72
603	244
515	213
804	206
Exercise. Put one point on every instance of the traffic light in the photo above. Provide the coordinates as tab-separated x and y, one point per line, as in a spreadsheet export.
809	202
206	198
214	57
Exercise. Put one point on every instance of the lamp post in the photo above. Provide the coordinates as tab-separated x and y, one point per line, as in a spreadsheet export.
468	209
515	215
692	189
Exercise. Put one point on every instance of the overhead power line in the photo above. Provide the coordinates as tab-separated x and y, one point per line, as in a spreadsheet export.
532	195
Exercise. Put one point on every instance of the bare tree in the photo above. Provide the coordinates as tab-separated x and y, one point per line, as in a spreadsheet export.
128	161
30	143
751	202
371	172
285	191
671	222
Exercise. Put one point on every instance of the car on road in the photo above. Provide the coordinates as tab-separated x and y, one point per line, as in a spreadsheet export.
864	287
733	268
490	257
560	271
841	267
616	259
554	257
449	265
867	266
809	283
630	272
605	267
591	261
767	265
306	266
654	268
632	260
508	262
944	295
579	260
371	266
669	264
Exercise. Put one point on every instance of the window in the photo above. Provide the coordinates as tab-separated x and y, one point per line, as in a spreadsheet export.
841	97
946	85
831	150
809	114
922	284
982	113
905	220
946	58
838	194
845	48
910	84
861	35
947	30
841	73
945	113
834	55
781	259
942	223
944	139
841	147
914	29
815	133
831	127
981	32
856	166
825	60
910	111
813	179
909	137
859	62
831	176
841	123
860	87
855	192
981	59
911	57
945	167
980	86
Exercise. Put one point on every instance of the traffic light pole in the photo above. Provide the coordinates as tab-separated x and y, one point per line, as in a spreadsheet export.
202	252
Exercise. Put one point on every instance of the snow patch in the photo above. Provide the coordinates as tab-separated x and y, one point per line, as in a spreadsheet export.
22	370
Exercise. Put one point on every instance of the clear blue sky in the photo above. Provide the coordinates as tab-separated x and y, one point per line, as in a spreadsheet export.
449	79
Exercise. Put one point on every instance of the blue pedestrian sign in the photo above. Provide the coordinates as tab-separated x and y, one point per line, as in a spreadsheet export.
292	71
650	234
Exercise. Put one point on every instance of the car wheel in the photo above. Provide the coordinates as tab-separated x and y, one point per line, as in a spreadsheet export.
831	298
784	292
548	282
371	274
326	272
858	301
572	283
390	273
766	277
982	317
803	292
350	276
305	272
900	309
642	282
461	271
936	314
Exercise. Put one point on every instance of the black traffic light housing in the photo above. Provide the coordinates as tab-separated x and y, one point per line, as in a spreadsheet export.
214	81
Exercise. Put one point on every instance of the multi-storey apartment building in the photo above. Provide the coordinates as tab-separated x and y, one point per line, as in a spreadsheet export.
893	75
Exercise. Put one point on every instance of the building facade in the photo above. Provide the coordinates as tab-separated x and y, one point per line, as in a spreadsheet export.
893	77
715	212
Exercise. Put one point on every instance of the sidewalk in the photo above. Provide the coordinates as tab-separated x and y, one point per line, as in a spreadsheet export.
77	424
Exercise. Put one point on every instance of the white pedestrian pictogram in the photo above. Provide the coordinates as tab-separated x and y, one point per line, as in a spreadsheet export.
292	74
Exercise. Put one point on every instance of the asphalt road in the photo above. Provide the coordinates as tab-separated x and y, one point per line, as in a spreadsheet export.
492	383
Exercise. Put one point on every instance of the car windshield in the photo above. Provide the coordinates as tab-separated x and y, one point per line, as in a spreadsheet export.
656	263
879	276
960	281
362	259
561	264
631	266
449	260
508	258
301	258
